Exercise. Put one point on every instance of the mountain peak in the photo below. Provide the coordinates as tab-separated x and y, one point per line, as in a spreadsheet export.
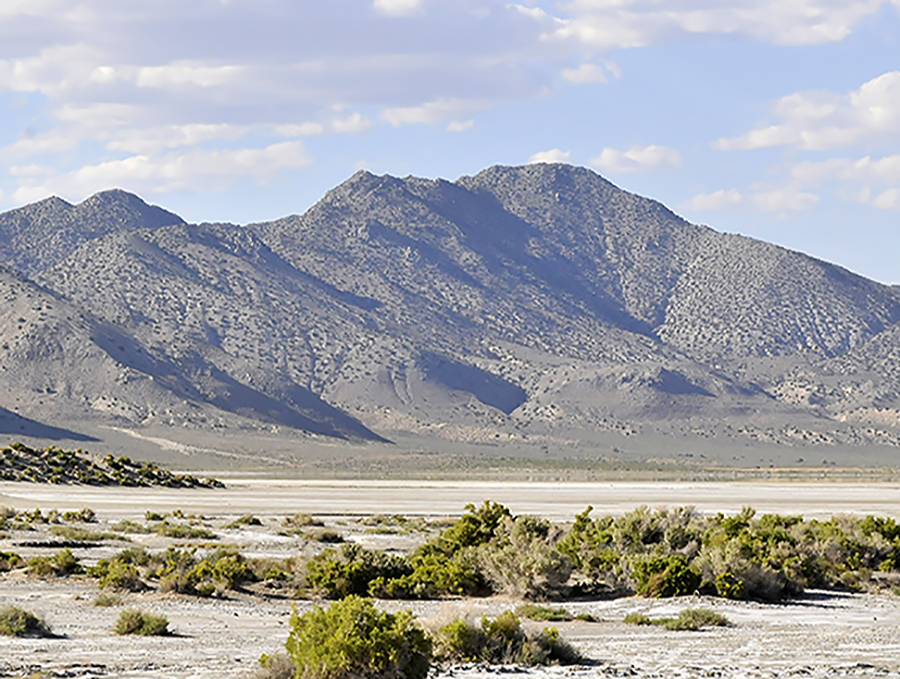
35	237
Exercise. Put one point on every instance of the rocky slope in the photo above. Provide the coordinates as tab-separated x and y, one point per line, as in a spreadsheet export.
37	236
529	303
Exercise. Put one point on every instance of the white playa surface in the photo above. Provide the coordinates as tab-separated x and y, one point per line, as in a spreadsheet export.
556	501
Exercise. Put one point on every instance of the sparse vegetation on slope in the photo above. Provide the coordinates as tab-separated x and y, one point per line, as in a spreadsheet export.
18	462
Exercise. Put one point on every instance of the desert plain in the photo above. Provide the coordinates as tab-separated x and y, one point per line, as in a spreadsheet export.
821	634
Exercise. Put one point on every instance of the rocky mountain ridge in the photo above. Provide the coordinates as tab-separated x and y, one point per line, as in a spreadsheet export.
538	303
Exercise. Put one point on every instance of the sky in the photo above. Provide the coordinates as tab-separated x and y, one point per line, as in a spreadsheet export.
778	119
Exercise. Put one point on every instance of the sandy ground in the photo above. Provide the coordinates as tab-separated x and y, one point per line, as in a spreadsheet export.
820	635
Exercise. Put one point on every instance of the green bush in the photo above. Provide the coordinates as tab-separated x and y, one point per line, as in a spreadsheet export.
78	534
184	532
181	571
351	570
637	619
695	618
278	666
135	621
665	576
85	515
60	565
108	600
297	524
121	572
245	520
543	613
16	622
690	619
502	641
353	639
122	576
522	560
126	526
10	561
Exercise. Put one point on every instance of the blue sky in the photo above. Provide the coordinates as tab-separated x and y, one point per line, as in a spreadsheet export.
779	119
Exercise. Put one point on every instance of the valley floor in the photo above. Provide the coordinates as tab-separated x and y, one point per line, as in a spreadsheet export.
823	634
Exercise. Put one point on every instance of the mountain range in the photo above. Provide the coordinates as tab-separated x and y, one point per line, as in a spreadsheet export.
538	305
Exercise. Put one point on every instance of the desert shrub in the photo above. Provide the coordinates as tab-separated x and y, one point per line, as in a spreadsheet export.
501	641
353	639
589	546
637	619
127	526
395	523
478	526
153	516
108	600
324	535
121	572
351	570
78	534
449	563
695	618
522	560
135	621
122	576
278	666
743	558
181	571
16	622
543	613
84	515
10	561
245	520
690	619
664	576
184	532
60	565
297	524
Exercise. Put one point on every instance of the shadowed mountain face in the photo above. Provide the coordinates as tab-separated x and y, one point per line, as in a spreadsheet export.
537	301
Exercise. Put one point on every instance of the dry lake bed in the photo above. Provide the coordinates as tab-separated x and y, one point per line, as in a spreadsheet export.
823	634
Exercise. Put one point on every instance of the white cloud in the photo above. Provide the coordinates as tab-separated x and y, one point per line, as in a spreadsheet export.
824	120
887	200
718	200
192	170
585	74
299	130
397	7
866	170
185	73
871	181
608	24
154	140
352	124
432	112
636	159
551	156
778	200
460	126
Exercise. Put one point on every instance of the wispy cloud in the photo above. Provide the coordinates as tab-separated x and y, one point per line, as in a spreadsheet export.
636	159
777	200
609	24
551	156
825	120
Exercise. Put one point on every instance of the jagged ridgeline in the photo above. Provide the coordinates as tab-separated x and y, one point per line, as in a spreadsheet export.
18	462
538	303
